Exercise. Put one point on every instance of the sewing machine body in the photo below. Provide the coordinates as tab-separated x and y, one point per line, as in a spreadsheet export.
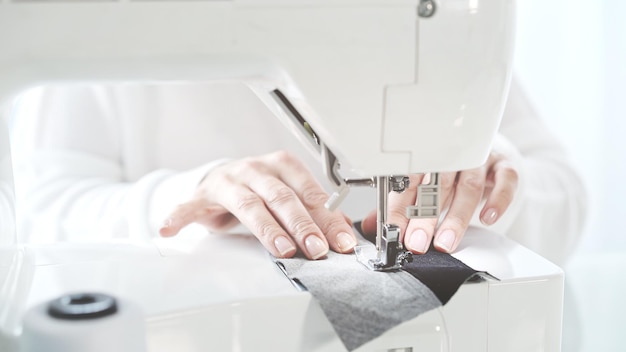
338	58
192	301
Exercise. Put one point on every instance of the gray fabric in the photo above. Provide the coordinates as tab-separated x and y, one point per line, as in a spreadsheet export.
361	304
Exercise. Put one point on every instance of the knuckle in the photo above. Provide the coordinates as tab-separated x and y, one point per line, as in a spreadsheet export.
396	213
505	197
280	196
472	183
249	164
510	173
236	169
218	173
313	196
284	156
265	231
447	179
456	222
333	224
301	225
248	202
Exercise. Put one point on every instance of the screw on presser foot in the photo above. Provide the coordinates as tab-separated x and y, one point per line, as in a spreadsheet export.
402	258
399	183
405	257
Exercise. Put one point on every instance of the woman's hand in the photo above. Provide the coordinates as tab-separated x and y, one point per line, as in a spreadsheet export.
460	194
273	195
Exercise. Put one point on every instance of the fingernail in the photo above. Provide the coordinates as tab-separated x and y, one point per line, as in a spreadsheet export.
418	241
315	246
490	217
283	246
345	241
445	240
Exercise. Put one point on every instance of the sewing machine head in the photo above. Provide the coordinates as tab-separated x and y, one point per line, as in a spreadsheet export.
432	105
389	88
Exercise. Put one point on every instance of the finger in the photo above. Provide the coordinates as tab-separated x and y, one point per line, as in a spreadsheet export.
182	216
332	224
285	205
467	195
348	220
448	181
368	225
338	231
419	232
251	210
505	178
398	202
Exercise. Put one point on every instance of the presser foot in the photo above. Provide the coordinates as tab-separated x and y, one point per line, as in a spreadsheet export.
389	256
370	258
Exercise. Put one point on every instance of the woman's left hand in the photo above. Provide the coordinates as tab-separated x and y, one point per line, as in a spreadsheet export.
461	194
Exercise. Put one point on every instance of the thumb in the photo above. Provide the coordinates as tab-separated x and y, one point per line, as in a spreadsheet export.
368	225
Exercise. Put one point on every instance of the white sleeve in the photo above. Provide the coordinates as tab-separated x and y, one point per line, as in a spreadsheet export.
549	210
70	175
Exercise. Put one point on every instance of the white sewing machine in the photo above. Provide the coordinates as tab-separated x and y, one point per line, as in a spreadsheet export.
397	69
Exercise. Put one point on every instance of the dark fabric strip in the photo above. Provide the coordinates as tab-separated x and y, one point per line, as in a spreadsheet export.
440	272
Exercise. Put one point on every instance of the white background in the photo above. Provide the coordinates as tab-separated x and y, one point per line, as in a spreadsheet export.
571	58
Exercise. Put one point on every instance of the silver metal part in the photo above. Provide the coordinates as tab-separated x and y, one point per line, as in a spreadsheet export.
390	255
294	281
399	183
367	182
427	205
382	192
426	8
296	119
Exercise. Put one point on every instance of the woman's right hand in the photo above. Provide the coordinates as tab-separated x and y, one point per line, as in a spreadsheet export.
276	197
